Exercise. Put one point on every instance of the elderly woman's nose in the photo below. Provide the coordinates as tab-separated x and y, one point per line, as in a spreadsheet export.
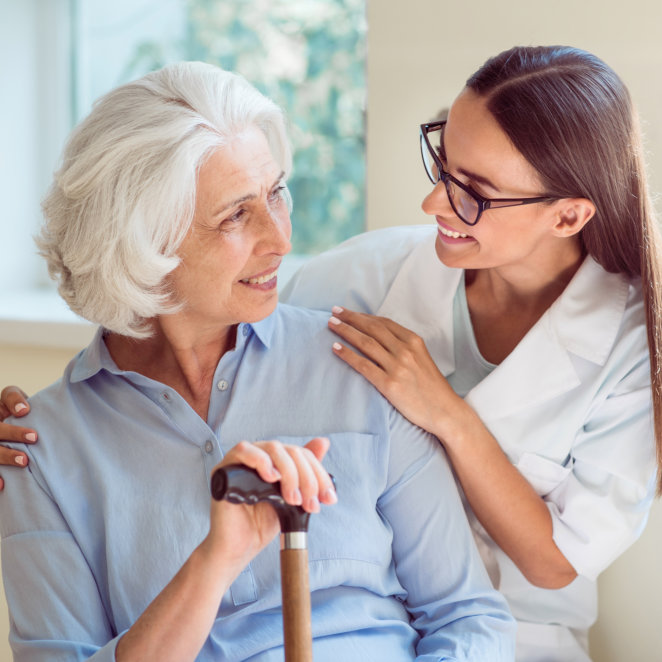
275	234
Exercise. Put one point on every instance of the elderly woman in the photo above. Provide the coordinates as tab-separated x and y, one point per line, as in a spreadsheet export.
166	225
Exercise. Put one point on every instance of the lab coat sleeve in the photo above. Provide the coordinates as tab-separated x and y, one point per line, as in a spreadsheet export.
449	595
602	505
55	607
357	274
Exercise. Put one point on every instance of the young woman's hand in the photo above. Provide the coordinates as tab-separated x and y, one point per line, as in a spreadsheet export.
14	402
239	532
396	361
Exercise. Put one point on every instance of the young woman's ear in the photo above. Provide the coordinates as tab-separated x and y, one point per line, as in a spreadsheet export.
573	214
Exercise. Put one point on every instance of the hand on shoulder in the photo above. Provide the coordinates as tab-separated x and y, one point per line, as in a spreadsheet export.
14	402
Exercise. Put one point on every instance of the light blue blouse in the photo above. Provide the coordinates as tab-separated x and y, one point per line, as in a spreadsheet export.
116	497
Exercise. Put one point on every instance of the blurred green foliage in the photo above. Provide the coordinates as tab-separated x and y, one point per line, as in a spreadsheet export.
309	57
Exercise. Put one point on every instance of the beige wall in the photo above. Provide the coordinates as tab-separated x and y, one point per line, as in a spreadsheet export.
420	54
421	51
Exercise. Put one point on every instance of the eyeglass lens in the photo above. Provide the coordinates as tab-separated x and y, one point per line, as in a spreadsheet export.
464	205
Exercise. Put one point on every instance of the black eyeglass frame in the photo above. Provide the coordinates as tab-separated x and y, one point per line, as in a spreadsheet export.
445	177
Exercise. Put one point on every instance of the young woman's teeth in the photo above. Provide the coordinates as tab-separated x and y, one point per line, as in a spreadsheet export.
260	280
452	233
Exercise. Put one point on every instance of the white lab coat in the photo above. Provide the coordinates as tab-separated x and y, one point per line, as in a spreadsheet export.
570	406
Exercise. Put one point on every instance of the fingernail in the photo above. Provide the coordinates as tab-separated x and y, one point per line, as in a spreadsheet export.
330	496
30	436
334	320
337	346
275	473
20	459
337	309
20	407
297	499
313	505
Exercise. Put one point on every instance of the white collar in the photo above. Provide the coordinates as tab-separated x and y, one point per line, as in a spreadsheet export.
583	321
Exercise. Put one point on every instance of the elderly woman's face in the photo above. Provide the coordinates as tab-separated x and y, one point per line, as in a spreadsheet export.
240	232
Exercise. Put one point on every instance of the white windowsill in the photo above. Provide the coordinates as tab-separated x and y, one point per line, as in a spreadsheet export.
41	318
33	317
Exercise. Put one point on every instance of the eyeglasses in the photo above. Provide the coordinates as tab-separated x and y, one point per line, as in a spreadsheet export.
466	203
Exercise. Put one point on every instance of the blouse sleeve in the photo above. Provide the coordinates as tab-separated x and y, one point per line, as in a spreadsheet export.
55	605
448	594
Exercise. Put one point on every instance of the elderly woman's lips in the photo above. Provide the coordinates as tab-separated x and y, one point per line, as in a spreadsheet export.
260	280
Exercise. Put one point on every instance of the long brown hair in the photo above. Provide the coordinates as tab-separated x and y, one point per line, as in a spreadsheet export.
571	117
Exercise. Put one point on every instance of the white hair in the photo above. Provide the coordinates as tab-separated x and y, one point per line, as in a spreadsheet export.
124	197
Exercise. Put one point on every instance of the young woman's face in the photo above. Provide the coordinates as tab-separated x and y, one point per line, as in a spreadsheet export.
479	154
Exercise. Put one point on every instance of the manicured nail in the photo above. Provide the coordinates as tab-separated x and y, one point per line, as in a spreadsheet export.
337	346
20	459
313	505
297	499
275	473
334	320
20	407
330	496
30	436
337	309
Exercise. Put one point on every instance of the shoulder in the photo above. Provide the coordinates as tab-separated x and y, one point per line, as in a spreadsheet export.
358	272
300	352
54	411
302	332
599	314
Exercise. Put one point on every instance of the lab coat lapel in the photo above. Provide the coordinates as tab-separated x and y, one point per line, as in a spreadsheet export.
583	322
421	299
537	370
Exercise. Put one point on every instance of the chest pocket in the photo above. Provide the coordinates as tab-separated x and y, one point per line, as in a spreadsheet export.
543	474
352	529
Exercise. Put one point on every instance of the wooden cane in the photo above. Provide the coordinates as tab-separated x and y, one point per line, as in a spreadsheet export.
239	484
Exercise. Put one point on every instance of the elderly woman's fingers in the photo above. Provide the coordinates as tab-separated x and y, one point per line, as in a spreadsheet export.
255	457
14	402
307	477
316	450
303	480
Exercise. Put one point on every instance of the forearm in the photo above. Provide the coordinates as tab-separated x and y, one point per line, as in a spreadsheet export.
177	623
503	500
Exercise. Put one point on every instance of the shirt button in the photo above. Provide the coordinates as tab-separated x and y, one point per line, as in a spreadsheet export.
166	395
209	446
222	385
246	330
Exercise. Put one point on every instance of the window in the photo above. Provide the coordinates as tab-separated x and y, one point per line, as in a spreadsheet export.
307	56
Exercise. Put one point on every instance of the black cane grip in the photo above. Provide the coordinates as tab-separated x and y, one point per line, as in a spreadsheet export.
238	483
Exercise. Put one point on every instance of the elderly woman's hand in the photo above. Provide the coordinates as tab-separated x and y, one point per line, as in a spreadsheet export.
239	532
14	402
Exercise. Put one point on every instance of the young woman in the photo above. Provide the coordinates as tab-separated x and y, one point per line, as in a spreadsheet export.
523	331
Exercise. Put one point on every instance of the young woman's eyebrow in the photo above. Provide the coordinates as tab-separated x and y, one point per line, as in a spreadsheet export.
479	179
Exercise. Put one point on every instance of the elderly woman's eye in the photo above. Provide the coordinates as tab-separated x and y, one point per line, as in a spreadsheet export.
237	216
278	193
